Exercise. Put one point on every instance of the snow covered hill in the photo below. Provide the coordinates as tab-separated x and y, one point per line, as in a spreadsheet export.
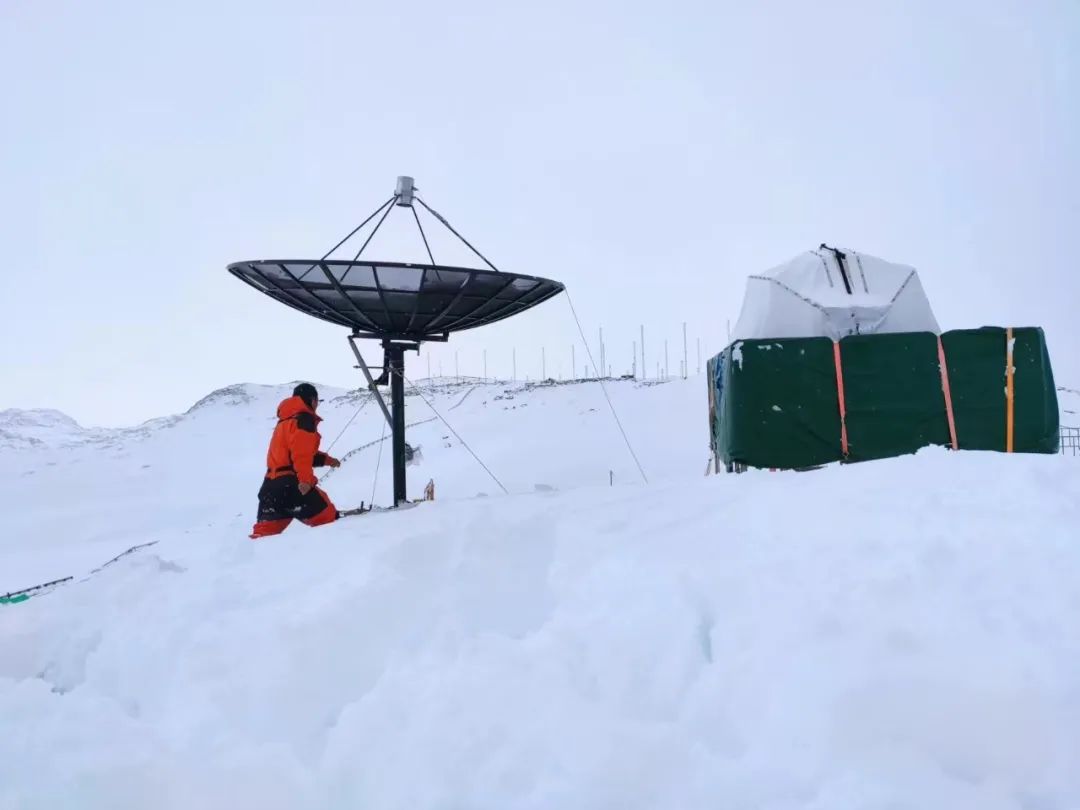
894	634
88	494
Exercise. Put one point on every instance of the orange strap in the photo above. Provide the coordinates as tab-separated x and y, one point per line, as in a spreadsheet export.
840	397
1009	391
947	391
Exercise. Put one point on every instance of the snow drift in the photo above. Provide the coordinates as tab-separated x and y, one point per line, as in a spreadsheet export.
893	634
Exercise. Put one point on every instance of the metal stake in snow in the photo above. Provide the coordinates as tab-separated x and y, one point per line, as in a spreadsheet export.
684	361
644	368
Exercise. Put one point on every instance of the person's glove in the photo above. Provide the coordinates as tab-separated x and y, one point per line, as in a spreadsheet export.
304	488
332	462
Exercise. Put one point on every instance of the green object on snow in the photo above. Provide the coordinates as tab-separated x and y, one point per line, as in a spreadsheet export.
776	403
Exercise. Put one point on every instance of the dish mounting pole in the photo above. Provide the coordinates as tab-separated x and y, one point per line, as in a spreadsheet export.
372	383
395	356
394	373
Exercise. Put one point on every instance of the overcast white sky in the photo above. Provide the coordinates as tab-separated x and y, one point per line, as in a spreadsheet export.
649	155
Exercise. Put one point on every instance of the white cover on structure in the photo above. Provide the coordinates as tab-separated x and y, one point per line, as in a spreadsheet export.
807	297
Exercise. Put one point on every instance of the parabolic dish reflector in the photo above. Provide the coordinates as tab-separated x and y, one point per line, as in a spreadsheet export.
393	299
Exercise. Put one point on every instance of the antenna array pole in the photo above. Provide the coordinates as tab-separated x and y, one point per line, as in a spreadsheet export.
644	369
603	361
685	363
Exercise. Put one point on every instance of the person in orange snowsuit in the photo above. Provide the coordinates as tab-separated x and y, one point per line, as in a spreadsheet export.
289	489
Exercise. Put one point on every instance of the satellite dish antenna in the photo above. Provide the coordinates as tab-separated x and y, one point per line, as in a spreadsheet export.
399	304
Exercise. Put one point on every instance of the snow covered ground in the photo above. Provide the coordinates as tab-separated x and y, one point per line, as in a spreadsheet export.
894	634
89	494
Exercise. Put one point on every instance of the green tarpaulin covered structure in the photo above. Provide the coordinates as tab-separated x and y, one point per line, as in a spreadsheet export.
798	402
837	356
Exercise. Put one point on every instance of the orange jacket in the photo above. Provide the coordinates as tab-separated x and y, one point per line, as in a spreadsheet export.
294	447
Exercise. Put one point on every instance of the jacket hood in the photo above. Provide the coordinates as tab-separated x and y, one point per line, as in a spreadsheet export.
294	406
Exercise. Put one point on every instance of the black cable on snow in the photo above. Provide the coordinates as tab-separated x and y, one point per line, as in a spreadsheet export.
28	591
65	580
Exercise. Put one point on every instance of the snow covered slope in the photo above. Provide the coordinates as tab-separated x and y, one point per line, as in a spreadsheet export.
86	495
894	634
